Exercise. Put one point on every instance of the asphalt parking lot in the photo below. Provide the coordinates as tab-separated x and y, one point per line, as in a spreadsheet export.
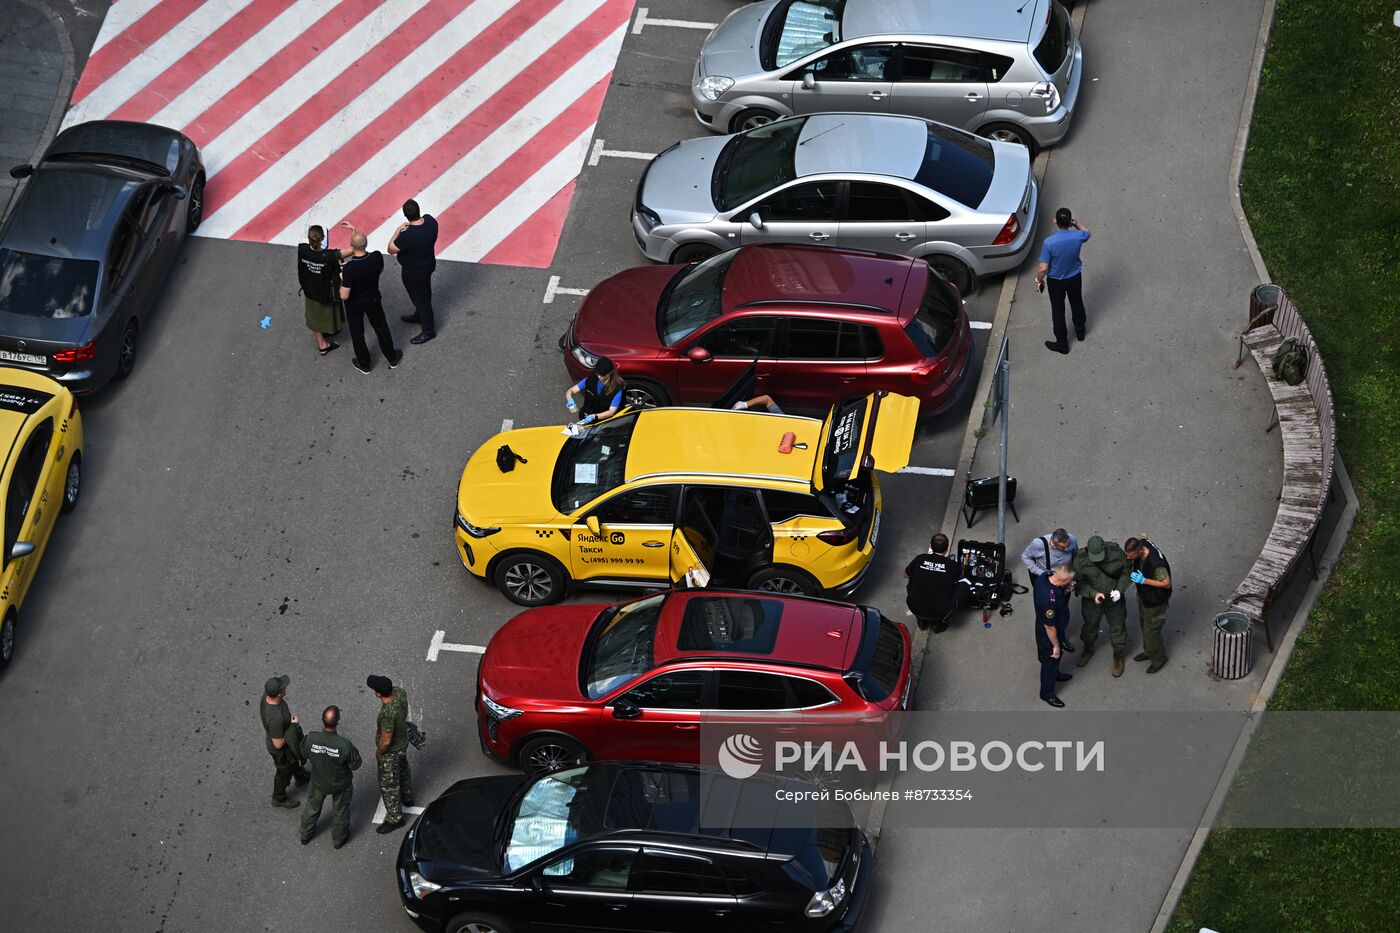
252	509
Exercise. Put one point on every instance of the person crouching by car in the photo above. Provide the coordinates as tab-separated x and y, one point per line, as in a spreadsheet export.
598	395
935	585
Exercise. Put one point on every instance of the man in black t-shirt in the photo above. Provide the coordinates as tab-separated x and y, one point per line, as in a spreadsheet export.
284	735
359	287
413	243
933	592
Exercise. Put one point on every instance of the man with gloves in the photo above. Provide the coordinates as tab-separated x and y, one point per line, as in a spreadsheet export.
1102	572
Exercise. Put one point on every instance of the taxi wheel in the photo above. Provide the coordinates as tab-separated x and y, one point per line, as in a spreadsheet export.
547	754
478	923
72	484
785	581
7	640
530	579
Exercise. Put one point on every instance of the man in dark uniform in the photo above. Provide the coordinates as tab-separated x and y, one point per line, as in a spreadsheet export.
391	751
333	759
359	288
1101	575
1051	600
284	735
933	590
413	243
1153	576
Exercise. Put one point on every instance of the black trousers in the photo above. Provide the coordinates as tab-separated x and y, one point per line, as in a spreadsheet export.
1049	667
419	286
355	314
1059	289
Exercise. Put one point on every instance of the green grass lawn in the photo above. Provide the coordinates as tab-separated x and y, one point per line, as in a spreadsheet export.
1322	190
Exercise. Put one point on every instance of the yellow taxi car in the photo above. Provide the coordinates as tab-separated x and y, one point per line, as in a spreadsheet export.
41	433
684	496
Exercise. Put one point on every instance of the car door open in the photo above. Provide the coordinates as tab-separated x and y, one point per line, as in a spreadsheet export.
874	432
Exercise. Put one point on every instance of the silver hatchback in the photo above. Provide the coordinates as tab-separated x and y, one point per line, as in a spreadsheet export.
861	181
1006	69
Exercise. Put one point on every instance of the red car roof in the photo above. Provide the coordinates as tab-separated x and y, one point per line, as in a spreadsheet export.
811	632
779	272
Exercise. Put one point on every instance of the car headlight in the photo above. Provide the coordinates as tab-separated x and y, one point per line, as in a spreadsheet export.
713	86
824	902
421	886
473	530
586	359
497	710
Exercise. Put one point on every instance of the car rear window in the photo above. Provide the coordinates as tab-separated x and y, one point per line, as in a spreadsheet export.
957	164
797	28
1054	45
937	318
880	658
730	623
46	286
754	162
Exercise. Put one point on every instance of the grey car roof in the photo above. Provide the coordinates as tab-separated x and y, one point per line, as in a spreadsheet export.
70	210
970	19
876	144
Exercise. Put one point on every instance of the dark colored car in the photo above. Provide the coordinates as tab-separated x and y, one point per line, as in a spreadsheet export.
817	325
560	685
92	238
634	846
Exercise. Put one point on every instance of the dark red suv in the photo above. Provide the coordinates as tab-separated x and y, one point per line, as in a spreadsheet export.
818	324
561	685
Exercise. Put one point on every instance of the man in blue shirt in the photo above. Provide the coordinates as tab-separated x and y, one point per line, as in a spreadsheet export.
1060	268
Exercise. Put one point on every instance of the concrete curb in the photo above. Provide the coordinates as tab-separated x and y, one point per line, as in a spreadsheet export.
1329	556
65	90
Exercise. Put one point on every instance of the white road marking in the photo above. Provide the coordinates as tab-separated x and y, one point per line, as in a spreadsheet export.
928	471
598	153
980	325
380	812
643	20
507	424
437	644
554	288
119	16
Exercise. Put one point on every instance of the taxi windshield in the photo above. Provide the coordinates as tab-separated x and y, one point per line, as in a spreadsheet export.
592	464
623	646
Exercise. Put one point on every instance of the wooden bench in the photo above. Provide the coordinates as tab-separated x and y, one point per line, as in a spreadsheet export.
1304	416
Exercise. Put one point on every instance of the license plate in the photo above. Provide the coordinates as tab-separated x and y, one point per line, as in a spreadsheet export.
875	529
23	357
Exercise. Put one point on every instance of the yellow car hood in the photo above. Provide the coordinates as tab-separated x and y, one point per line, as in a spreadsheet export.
488	497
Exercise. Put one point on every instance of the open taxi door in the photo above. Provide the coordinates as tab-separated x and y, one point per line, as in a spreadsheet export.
873	432
688	569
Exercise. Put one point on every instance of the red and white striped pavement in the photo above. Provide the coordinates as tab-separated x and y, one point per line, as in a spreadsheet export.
318	111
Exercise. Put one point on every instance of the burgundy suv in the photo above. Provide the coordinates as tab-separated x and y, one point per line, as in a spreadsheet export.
560	685
817	324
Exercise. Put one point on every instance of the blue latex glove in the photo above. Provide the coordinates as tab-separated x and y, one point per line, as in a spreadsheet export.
589	419
1136	576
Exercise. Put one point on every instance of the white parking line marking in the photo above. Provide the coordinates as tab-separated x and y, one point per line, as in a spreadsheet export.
380	813
598	153
437	644
980	325
554	288
928	471
507	424
643	20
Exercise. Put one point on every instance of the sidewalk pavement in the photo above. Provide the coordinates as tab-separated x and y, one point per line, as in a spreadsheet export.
33	75
1145	427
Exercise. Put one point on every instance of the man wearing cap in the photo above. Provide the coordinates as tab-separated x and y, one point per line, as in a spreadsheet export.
333	761
597	395
1101	572
391	751
1051	595
1153	576
284	736
1040	557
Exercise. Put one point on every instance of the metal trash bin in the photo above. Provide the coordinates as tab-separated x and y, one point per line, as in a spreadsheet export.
1232	656
1263	301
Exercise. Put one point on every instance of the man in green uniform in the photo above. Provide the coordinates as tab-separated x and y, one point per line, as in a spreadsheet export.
332	758
391	751
1101	570
284	737
1153	576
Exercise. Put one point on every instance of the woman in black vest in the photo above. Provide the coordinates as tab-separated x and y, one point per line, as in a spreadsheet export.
596	396
318	271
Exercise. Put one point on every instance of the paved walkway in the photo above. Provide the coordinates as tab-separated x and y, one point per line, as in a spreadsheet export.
31	77
1143	428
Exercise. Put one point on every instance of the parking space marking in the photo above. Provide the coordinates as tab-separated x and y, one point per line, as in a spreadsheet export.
437	645
554	288
927	471
980	325
598	153
643	20
379	812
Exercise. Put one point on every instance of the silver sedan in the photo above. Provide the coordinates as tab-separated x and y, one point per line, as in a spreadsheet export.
887	183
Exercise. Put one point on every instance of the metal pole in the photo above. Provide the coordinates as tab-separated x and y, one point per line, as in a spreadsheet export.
1005	377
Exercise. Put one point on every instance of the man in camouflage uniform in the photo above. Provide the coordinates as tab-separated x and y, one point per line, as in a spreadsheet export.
1153	576
284	735
391	751
333	759
1101	571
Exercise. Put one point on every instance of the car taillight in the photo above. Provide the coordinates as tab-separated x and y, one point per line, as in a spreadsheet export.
929	372
843	536
1009	231
79	355
1049	93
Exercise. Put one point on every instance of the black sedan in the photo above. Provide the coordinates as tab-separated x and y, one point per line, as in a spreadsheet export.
89	244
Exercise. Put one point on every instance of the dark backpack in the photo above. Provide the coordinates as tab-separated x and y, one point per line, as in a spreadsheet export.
1291	361
320	274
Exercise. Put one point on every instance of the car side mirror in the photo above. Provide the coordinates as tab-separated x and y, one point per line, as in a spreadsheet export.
809	81
178	193
626	709
537	885
22	549
595	527
698	355
756	221
21	171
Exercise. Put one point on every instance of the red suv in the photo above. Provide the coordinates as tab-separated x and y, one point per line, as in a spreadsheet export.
818	324
560	685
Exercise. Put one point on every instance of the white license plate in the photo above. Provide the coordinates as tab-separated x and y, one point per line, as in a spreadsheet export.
23	357
875	529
